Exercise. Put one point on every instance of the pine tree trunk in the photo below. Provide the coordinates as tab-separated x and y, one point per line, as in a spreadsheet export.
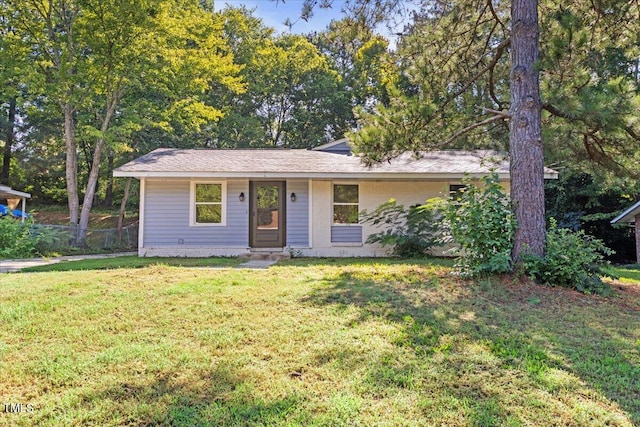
525	137
8	142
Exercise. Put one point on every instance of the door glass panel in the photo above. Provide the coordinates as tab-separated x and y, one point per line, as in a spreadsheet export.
267	203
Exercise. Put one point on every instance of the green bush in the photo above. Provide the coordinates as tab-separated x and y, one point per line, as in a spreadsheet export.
482	223
24	239
410	231
16	239
50	240
572	259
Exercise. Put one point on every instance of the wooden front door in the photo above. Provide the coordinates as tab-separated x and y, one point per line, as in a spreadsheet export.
267	219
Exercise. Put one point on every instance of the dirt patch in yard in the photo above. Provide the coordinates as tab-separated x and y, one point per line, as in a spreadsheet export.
525	291
96	220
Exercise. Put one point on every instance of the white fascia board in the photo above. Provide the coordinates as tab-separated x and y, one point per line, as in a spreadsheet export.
14	193
302	175
628	215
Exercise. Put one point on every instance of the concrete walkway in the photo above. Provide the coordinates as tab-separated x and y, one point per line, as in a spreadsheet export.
13	265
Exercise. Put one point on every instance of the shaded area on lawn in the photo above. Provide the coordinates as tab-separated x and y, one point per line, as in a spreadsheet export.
532	331
220	397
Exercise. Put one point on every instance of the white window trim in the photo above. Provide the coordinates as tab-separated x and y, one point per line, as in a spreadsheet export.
192	205
333	204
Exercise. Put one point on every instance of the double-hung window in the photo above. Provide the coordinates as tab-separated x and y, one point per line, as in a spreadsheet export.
208	203
345	204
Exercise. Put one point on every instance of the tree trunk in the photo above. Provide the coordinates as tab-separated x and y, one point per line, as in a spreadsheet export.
87	203
71	168
94	173
123	207
108	196
525	132
8	142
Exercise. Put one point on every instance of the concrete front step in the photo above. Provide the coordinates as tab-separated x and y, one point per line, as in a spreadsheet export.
263	255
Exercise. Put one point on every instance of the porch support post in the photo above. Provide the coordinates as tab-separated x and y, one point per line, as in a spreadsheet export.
637	227
24	208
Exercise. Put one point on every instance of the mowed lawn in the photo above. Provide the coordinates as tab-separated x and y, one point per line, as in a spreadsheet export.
314	343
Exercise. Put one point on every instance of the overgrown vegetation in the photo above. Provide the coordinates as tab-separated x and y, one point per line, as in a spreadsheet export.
411	231
573	260
24	239
314	343
16	239
482	223
583	201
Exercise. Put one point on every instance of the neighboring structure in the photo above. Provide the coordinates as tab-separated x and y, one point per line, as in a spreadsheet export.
631	216
206	202
13	199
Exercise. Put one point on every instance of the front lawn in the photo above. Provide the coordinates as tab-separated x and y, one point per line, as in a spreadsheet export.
132	261
324	343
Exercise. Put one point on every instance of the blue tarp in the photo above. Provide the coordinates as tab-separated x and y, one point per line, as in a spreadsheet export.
18	214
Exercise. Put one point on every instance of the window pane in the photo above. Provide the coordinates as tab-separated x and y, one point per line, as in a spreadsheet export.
345	193
267	219
209	193
456	190
345	214
267	197
208	214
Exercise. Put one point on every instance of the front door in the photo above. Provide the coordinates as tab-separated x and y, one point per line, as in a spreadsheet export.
267	220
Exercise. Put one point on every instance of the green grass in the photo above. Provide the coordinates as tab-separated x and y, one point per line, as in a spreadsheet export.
314	342
627	273
133	262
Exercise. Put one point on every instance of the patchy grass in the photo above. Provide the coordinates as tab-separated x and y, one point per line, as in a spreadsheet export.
626	274
133	262
314	342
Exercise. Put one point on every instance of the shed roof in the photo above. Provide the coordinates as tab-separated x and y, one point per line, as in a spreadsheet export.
629	215
300	163
7	192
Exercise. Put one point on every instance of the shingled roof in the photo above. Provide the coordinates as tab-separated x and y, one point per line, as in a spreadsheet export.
289	163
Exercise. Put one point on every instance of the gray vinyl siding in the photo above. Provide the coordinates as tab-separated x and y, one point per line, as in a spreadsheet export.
346	234
298	214
166	221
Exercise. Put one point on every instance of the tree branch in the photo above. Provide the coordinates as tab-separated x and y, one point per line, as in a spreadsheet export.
499	115
499	52
495	15
557	112
632	133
